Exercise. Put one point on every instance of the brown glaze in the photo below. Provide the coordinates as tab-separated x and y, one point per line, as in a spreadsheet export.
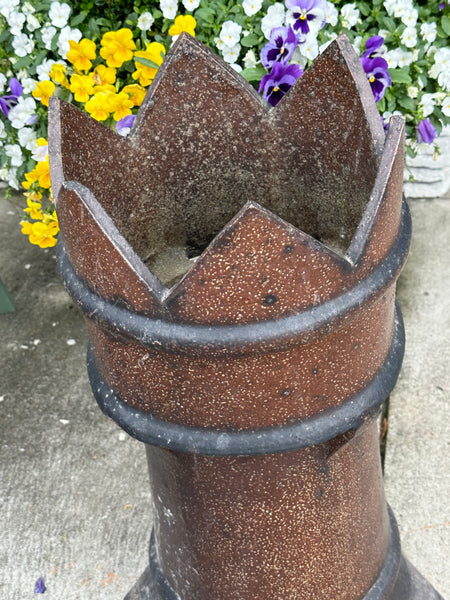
303	525
219	218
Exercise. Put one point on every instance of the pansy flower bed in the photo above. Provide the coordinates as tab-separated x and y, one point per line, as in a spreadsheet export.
103	56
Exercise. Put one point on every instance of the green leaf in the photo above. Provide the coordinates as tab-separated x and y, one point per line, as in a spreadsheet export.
248	41
146	62
400	75
22	63
205	14
78	19
388	23
445	24
254	73
381	104
364	8
408	103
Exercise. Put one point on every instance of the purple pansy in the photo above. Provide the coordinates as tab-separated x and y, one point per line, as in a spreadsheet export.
124	125
281	78
10	100
378	75
372	45
425	132
39	586
305	15
280	47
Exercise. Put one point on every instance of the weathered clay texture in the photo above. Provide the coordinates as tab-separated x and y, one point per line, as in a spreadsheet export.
236	265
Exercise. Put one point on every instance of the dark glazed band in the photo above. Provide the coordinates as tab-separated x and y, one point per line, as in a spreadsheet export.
296	328
220	442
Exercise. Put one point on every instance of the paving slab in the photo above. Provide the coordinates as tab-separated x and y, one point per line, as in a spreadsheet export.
417	462
75	505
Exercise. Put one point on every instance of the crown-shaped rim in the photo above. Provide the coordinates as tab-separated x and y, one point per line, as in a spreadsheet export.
376	251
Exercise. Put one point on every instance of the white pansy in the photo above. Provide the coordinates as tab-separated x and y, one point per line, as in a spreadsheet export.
219	43
398	58
32	23
59	14
2	130
28	9
349	14
230	55
427	103
428	31
22	44
169	8
39	153
441	61
67	34
402	6
409	37
389	5
236	67
274	18
28	85
145	21
412	91
331	36
309	47
48	33
357	44
444	80
22	113
12	178
331	14
298	59
251	7
230	33
191	5
43	70
15	22
27	138
409	17
2	82
250	59
14	152
446	106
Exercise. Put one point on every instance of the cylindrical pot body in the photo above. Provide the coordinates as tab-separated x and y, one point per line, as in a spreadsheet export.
253	373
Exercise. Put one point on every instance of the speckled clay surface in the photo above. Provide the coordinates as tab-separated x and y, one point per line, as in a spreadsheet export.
236	264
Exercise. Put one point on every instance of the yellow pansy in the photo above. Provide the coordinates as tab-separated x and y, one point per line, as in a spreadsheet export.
34	209
42	174
29	180
154	52
97	106
50	217
183	23
117	47
41	234
104	75
43	91
136	93
105	88
82	87
119	105
33	196
81	54
58	74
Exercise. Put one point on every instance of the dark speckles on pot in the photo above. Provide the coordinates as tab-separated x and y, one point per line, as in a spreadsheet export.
237	285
